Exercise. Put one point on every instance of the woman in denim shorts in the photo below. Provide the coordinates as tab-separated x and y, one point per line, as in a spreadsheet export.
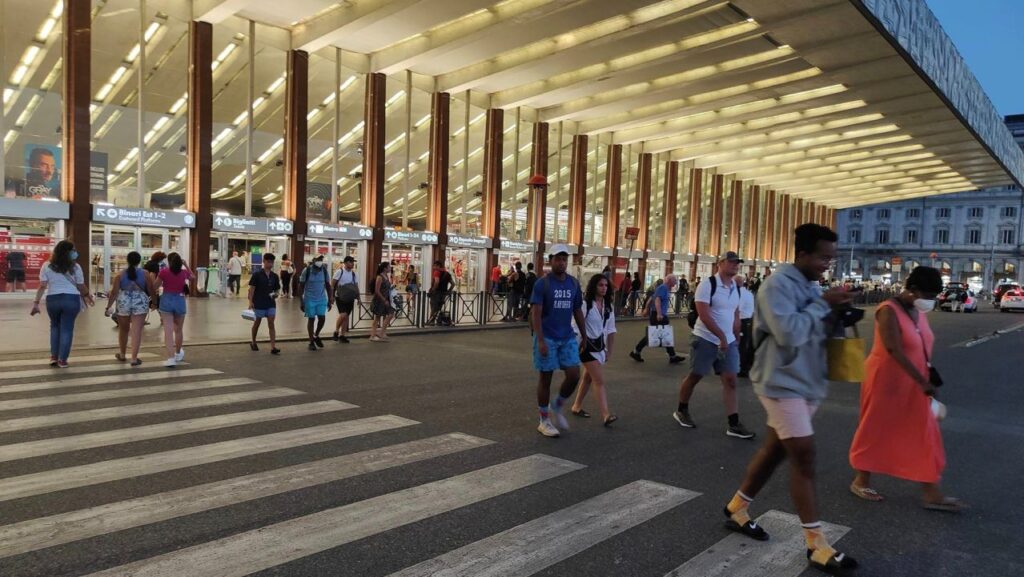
174	280
130	299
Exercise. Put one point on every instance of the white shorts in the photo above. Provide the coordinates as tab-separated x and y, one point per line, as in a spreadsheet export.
791	418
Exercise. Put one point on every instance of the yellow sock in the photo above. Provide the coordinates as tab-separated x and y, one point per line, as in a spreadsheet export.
738	508
822	551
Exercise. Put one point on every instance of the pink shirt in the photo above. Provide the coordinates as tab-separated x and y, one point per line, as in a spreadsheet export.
174	284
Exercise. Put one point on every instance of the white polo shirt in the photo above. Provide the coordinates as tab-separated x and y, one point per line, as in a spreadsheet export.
723	309
746	304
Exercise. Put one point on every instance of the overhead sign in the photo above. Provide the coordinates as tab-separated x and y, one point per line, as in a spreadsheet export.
469	241
658	255
339	231
410	236
252	224
598	251
29	208
143	217
518	245
632	232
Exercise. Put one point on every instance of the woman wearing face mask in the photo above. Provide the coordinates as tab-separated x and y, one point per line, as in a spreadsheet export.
62	280
898	434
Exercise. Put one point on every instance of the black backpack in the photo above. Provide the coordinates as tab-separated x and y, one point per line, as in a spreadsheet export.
691	317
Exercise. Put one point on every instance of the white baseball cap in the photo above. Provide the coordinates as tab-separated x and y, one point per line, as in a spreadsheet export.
558	249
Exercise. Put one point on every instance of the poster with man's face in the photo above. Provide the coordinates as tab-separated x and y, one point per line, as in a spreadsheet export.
42	171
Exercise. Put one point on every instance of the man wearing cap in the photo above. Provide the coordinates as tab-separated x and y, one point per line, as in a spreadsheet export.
659	316
556	300
715	344
345	286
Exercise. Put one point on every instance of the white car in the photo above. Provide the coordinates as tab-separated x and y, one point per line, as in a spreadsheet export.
949	300
1012	301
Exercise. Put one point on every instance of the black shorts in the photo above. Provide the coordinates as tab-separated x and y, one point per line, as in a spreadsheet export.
15	276
586	357
345	307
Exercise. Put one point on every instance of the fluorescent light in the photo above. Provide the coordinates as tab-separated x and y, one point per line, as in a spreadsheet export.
395	141
223	134
259	101
178	104
104	91
46	29
226	52
240	118
19	74
118	74
160	122
329	99
398	96
58	9
348	82
181	174
30	55
133	53
312	113
151	31
8	94
238	179
276	84
422	121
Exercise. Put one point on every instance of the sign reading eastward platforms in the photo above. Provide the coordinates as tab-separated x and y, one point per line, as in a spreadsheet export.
143	217
252	224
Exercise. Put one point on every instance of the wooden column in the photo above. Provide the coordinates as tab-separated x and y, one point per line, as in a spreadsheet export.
832	218
372	200
199	157
785	210
694	215
670	201
295	142
770	246
612	199
821	214
577	189
753	232
715	236
642	210
76	132
437	171
735	211
799	217
537	206
492	175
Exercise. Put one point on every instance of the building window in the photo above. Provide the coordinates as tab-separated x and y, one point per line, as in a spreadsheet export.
883	213
855	235
942	235
975	212
882	236
1006	236
1009	212
910	236
974	236
943	212
856	214
913	213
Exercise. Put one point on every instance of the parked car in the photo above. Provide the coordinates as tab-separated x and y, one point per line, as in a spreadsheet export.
1002	289
1013	300
951	296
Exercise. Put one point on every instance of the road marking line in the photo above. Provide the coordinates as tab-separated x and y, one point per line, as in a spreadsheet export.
129	467
58	419
163	373
269	546
120	393
114	367
72	526
539	544
784	555
43	362
130	435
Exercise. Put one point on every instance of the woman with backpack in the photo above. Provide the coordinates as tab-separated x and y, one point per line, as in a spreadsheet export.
64	284
174	280
597	338
129	303
382	307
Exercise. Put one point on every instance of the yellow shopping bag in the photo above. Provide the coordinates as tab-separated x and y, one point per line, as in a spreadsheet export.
846	358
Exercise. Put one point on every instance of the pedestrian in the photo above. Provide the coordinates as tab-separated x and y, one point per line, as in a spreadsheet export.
412	285
746	327
530	281
382	307
16	270
557	301
623	293
235	273
287	272
62	280
174	280
792	321
263	288
658	316
317	299
898	434
634	295
129	303
157	261
682	294
597	337
608	275
714	345
517	284
438	292
345	286
495	278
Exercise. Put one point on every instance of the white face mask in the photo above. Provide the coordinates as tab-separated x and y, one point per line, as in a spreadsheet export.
319	264
924	305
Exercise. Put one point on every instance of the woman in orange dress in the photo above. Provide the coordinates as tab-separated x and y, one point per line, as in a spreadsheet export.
898	434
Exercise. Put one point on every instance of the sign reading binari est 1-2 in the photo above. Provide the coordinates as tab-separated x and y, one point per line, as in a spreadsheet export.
143	216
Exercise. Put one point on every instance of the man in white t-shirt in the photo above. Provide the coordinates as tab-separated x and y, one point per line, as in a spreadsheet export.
746	327
345	285
234	273
715	343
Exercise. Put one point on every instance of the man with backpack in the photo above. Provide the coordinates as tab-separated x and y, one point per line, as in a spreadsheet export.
556	301
438	292
317	299
715	344
658	316
345	286
529	282
517	286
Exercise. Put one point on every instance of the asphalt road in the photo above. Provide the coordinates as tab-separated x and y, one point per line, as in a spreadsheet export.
483	503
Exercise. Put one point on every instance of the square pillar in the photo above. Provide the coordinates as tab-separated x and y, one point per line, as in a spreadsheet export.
642	210
752	231
735	211
199	159
786	218
491	218
770	247
670	201
577	189
76	133
295	142
612	196
372	199
437	171
537	205
694	216
715	236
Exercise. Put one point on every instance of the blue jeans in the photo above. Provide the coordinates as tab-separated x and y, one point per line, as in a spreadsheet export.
62	310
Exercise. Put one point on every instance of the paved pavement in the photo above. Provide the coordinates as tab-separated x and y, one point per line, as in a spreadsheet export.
419	457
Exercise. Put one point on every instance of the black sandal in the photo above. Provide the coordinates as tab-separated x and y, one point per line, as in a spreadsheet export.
611	419
136	362
837	564
275	351
581	413
750	528
253	346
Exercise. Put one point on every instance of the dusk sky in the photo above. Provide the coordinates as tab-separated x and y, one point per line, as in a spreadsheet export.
990	37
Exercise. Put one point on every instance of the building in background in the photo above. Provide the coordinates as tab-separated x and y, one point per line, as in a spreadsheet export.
975	237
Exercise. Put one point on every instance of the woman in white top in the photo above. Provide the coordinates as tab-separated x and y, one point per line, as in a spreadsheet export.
596	343
64	284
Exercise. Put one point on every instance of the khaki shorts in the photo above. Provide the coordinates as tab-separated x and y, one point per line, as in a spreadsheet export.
791	418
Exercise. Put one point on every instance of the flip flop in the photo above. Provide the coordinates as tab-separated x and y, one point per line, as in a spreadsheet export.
581	413
611	419
947	504
837	564
119	357
866	493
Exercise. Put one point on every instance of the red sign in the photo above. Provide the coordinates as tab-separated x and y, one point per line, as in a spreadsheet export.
896	261
632	232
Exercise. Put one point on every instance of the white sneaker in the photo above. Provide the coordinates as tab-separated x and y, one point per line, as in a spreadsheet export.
547	429
560	419
180	355
170	363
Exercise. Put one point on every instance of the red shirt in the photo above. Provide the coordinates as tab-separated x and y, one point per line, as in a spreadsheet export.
174	284
496	274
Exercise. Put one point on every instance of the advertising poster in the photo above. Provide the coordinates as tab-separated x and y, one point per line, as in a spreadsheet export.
21	257
318	201
42	171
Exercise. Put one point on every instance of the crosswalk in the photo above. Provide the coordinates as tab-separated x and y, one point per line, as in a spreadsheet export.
69	435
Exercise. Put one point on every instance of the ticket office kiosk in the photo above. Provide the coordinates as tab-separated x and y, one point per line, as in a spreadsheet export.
116	231
335	242
405	248
509	252
32	228
251	237
467	261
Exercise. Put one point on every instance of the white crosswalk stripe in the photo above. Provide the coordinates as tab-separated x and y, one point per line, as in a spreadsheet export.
538	544
57	419
76	370
133	434
273	545
162	373
42	362
737	556
105	395
126	468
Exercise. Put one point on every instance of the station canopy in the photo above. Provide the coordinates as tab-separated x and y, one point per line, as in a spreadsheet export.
839	102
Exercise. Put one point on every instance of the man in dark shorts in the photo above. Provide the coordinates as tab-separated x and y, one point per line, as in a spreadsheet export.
345	285
16	270
263	288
